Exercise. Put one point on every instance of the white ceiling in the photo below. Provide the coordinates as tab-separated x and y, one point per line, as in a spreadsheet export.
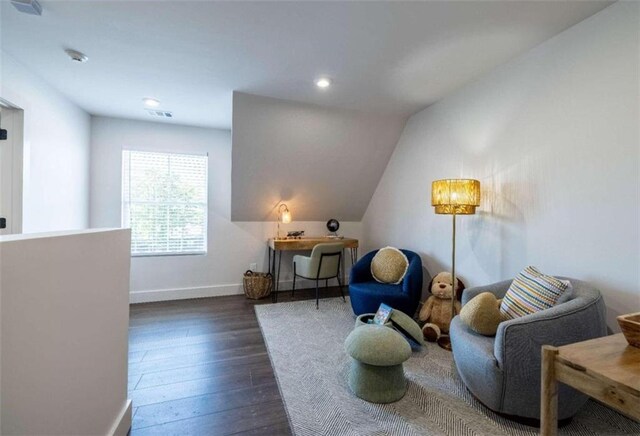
384	57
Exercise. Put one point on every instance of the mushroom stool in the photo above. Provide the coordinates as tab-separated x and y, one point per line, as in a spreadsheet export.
376	373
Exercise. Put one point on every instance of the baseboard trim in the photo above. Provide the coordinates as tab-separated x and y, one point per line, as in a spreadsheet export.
184	293
123	422
150	296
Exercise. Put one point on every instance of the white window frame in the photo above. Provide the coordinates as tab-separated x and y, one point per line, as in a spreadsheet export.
123	218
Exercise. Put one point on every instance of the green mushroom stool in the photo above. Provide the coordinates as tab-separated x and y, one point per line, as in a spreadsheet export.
376	373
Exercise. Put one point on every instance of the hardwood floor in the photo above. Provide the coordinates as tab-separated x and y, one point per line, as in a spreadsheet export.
201	367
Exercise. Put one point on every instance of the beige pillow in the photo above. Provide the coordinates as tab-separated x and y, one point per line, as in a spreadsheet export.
389	265
482	314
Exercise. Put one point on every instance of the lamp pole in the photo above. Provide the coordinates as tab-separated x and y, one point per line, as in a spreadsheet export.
453	267
450	196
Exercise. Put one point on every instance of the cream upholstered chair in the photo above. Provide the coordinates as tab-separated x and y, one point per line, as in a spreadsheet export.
323	264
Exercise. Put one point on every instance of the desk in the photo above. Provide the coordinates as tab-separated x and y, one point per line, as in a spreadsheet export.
607	369
277	246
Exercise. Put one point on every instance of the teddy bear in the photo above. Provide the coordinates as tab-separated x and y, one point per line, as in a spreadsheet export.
436	310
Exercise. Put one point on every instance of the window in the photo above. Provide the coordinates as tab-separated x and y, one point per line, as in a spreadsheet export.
164	201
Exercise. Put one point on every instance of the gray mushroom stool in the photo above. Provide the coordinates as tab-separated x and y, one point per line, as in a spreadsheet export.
376	373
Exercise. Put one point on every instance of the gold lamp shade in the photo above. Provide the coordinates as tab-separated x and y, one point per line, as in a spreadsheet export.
455	196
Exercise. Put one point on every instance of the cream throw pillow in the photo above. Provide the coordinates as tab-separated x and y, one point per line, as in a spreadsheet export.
389	265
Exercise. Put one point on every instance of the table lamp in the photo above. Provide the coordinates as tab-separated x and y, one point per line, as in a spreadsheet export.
454	197
284	216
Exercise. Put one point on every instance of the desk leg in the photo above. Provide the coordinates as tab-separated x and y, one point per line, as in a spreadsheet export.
549	393
354	259
342	266
277	276
272	270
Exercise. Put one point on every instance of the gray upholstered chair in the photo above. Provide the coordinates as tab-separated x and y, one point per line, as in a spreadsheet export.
503	372
323	264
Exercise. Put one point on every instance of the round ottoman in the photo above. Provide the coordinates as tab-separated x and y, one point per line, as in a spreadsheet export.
376	373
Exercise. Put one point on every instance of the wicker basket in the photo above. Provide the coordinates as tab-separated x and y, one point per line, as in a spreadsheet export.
257	285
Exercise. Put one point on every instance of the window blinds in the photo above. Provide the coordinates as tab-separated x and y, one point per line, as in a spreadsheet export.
164	201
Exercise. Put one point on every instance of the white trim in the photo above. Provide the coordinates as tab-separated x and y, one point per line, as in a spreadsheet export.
184	293
14	123
152	295
161	151
122	423
170	253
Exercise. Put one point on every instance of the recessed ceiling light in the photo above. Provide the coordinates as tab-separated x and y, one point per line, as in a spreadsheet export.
151	102
323	82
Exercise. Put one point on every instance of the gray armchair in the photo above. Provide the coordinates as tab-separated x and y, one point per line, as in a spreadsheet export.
503	372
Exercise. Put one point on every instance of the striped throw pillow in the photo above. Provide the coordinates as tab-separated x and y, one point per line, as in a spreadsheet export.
531	291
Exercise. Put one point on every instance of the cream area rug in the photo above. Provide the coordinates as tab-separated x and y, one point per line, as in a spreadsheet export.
306	347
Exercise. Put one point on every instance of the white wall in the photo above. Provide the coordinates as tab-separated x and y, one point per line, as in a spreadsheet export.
553	137
64	333
324	162
56	152
232	246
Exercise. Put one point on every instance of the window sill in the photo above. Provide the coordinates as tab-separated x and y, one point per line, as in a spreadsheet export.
195	253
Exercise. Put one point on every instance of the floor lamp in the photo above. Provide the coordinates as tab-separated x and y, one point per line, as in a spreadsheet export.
454	197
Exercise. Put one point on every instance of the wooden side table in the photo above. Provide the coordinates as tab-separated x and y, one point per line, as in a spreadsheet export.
607	369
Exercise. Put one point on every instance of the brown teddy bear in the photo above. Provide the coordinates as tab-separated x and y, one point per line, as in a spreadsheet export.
436	311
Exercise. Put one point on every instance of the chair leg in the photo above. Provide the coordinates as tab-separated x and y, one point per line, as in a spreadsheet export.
293	289
326	283
317	294
340	286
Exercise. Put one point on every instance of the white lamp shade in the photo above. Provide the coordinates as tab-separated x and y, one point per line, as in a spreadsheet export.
285	218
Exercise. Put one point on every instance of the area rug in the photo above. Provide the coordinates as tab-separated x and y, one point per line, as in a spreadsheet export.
306	347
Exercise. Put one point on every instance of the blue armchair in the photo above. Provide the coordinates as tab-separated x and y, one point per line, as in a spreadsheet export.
503	372
366	293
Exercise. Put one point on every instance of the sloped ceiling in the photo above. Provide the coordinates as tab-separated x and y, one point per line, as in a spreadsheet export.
322	162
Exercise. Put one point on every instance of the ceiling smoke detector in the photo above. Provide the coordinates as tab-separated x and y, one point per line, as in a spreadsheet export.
76	56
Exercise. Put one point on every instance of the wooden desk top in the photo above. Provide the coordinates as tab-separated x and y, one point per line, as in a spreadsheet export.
609	358
309	242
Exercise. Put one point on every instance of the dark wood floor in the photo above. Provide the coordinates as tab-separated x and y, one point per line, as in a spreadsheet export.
201	367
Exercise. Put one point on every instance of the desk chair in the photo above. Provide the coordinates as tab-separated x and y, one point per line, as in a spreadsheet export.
323	264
